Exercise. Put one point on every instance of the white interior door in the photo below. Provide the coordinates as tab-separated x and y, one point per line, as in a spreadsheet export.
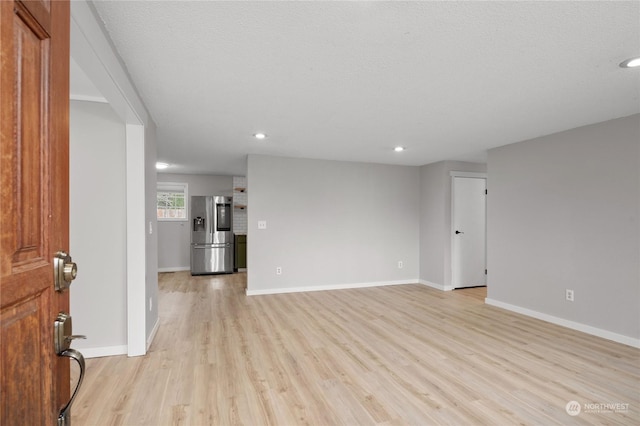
468	258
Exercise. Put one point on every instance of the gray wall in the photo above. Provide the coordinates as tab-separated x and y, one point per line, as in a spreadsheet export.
151	243
330	223
563	214
97	215
174	237
435	219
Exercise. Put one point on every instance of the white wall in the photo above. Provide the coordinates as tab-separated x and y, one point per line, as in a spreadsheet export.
432	223
563	213
435	220
174	237
93	52
330	224
98	227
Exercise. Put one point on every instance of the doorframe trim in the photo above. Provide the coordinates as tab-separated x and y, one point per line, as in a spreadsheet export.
473	175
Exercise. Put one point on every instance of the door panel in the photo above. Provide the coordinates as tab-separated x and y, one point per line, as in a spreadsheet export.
24	323
468	260
34	83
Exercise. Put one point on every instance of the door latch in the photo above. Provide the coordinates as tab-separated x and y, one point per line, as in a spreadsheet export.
64	271
62	338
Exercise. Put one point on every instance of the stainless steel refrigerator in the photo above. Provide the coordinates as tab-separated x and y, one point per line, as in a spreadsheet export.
211	235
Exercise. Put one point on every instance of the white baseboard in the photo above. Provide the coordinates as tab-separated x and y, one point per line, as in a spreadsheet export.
152	335
175	269
103	351
326	287
116	350
625	340
434	285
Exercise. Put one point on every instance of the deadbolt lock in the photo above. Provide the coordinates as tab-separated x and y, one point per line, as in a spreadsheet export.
64	270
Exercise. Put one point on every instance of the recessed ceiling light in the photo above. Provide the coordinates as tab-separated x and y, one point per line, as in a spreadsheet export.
631	63
260	136
161	166
399	148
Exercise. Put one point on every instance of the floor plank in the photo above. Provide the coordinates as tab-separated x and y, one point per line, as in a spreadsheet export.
392	355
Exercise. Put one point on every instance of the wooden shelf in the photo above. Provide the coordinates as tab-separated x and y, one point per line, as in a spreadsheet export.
240	189
240	206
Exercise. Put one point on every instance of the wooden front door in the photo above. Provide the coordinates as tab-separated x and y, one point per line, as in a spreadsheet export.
34	207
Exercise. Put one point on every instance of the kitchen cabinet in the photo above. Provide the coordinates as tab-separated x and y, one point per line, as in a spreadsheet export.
241	252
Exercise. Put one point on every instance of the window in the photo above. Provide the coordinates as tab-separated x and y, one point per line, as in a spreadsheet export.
172	203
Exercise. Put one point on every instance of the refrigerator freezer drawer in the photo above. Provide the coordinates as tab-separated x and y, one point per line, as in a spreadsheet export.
211	259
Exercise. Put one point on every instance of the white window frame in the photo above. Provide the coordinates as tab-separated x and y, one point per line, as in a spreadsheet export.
174	187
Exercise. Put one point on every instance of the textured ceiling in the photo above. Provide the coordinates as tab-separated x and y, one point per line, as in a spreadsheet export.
350	80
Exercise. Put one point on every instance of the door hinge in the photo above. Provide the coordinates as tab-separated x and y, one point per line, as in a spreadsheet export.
485	192
485	272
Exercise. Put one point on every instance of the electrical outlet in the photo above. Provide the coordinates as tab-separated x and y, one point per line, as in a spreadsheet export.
569	295
400	264
279	270
262	224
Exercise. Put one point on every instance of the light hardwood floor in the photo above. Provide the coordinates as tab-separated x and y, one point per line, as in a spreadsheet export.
404	354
